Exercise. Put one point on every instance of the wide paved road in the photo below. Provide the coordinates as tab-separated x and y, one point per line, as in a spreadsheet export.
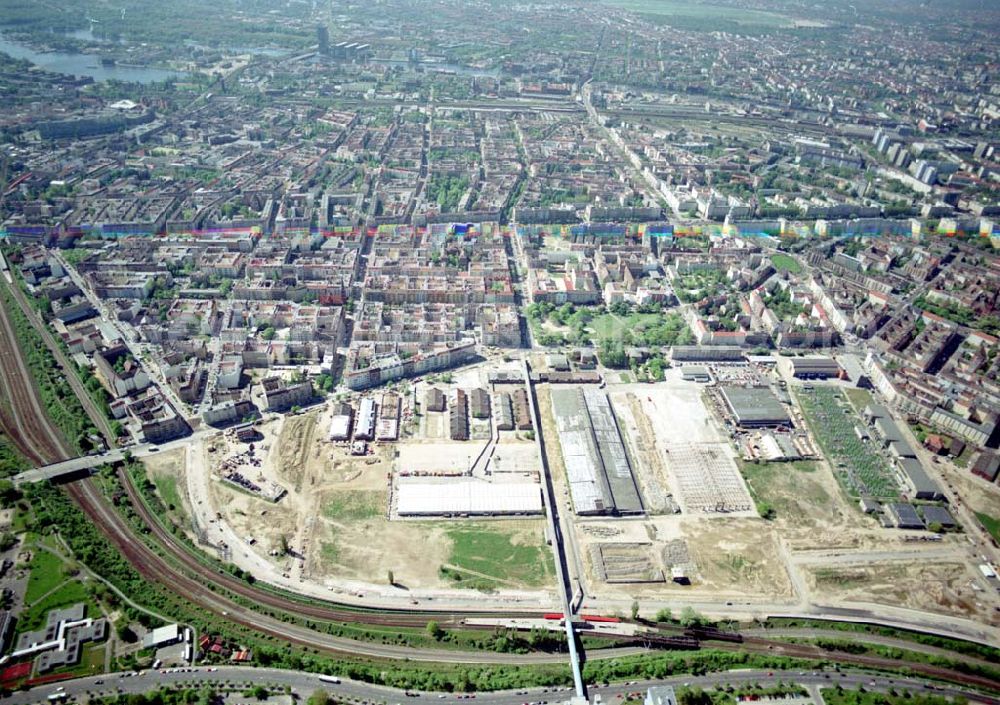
305	683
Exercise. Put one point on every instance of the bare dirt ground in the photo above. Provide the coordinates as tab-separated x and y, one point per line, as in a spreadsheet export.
334	517
647	462
811	510
738	555
551	437
731	557
815	528
980	495
944	587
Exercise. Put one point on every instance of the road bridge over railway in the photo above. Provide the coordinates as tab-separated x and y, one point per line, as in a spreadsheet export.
69	467
74	466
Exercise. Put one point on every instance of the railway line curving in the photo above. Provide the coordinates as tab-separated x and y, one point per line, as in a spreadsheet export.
24	420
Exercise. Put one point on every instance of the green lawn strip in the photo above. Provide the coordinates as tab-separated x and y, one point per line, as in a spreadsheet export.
860	398
166	485
959	646
487	552
854	646
46	573
60	402
785	263
64	596
354	505
990	523
841	696
761	479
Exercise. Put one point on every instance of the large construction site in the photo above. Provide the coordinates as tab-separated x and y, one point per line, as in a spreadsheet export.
435	488
720	523
381	493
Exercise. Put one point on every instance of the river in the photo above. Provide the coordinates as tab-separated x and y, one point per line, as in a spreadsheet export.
76	64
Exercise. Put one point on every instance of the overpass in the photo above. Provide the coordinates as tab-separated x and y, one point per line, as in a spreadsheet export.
559	552
72	466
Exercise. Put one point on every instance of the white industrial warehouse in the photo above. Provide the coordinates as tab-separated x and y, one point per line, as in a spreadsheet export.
466	496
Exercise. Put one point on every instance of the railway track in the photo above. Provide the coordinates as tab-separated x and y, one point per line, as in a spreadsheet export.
331	612
812	651
36	437
22	417
196	590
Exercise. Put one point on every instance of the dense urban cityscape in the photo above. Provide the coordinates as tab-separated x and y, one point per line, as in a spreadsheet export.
593	351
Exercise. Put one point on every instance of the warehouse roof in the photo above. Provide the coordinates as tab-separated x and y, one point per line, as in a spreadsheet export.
597	467
923	485
876	411
815	364
340	427
700	353
468	496
938	515
905	516
755	406
888	429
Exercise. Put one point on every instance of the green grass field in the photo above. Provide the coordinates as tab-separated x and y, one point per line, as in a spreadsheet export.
610	326
992	524
66	596
166	487
483	554
46	574
787	489
354	505
860	398
784	263
653	329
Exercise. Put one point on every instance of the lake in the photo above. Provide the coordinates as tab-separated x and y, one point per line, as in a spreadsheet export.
83	64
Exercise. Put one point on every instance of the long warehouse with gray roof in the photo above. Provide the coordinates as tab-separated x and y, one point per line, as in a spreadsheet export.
597	467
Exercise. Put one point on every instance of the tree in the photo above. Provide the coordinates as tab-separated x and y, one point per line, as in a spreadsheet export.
7	541
319	697
8	494
665	615
690	618
125	633
612	355
391	578
694	696
635	609
434	630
